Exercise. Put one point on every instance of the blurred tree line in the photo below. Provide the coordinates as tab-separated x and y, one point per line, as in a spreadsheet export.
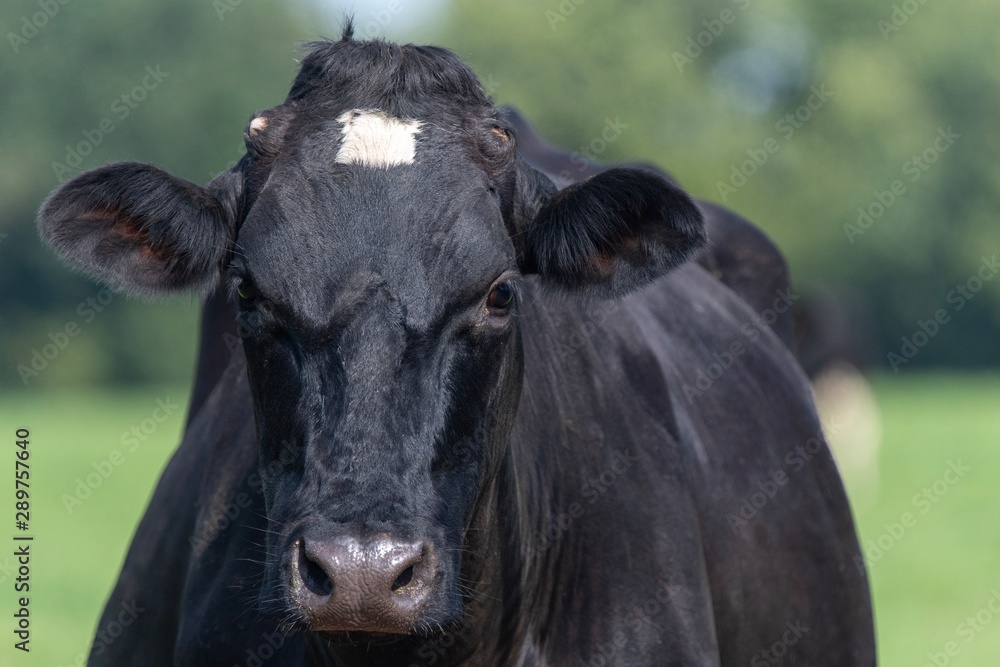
78	93
858	134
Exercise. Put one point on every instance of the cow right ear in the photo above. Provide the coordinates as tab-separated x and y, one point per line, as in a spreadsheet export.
141	229
608	235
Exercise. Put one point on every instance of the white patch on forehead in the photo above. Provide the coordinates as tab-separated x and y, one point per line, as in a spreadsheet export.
373	138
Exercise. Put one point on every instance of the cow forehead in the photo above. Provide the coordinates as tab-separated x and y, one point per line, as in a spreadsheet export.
373	138
420	230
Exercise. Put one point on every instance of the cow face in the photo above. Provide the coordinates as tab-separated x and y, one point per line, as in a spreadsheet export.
375	236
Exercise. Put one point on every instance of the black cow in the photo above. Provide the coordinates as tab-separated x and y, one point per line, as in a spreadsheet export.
464	429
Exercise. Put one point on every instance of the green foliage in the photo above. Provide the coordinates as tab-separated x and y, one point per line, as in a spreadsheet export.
702	110
704	86
192	73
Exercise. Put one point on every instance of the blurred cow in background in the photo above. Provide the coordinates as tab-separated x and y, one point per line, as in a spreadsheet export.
833	343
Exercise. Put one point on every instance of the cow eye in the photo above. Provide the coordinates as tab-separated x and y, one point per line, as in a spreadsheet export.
248	291
500	298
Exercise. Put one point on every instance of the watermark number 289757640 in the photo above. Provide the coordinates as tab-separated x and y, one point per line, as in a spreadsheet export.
22	539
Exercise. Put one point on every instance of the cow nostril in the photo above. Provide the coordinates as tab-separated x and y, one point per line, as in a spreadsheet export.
378	585
312	574
405	577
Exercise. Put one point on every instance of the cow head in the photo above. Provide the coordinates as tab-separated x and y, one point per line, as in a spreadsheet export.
375	235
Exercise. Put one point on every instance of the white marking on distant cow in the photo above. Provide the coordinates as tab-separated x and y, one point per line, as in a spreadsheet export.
853	426
373	138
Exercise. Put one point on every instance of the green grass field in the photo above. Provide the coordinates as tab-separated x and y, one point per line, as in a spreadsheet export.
82	527
934	575
943	569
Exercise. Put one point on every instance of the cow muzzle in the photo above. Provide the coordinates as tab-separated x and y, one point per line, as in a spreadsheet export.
379	586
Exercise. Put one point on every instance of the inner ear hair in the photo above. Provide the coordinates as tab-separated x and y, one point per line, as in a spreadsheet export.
139	228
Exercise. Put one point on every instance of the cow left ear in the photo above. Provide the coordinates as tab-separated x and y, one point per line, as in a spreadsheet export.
610	234
141	229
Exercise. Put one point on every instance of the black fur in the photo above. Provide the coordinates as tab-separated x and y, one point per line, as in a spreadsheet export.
382	391
613	233
407	81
